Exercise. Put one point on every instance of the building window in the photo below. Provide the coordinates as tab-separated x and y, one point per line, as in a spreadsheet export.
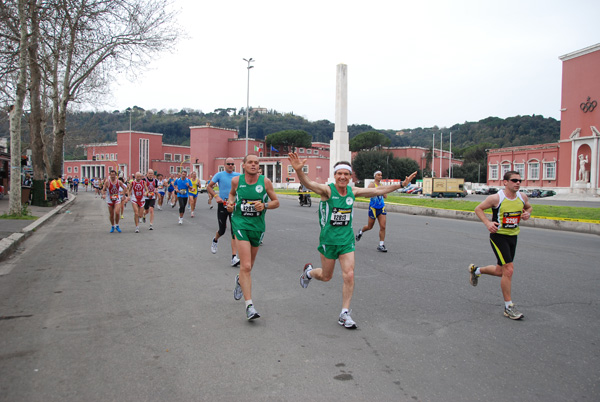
504	168
290	169
493	172
300	150
172	169
260	154
144	154
168	157
177	158
115	156
221	168
187	157
309	151
520	167
534	170
76	169
316	152
550	171
69	169
305	169
112	157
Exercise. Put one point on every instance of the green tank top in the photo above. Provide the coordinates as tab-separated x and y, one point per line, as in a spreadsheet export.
244	215
335	218
508	214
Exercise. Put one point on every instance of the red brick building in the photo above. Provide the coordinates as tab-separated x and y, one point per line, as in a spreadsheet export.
572	165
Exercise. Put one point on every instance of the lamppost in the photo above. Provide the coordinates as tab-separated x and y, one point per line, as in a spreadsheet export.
250	60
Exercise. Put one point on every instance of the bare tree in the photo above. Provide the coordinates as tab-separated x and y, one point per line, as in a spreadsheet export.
16	112
88	41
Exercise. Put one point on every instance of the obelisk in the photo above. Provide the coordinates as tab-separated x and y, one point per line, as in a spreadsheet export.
339	149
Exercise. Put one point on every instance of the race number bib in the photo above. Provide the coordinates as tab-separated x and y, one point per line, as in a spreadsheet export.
247	208
114	197
510	220
182	192
151	194
340	216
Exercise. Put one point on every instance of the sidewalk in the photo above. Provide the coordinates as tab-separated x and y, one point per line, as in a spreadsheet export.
14	231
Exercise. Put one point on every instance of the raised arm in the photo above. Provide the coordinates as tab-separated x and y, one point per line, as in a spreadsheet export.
321	189
381	190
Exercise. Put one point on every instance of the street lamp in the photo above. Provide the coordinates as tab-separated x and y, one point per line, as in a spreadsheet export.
250	60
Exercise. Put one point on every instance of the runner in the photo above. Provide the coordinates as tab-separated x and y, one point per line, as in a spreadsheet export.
86	183
193	192
171	190
336	241
248	200
223	181
161	191
181	187
376	211
113	185
508	206
210	196
124	199
137	188
151	186
76	184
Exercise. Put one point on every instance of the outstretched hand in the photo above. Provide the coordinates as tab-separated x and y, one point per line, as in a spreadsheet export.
408	179
297	164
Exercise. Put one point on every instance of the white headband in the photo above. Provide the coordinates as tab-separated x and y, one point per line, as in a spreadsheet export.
375	174
338	167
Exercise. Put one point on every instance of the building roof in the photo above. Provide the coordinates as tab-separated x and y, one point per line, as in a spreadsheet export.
581	52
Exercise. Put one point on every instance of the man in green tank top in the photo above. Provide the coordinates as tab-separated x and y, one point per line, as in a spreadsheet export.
508	206
336	241
250	197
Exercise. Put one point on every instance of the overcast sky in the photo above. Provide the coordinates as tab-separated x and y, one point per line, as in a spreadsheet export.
410	63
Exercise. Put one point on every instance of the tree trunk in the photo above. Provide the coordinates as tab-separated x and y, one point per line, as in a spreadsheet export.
14	204
35	118
60	123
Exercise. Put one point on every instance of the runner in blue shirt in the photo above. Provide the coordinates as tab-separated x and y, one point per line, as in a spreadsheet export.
181	187
223	180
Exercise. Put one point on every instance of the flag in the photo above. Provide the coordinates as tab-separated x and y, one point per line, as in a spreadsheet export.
273	149
257	148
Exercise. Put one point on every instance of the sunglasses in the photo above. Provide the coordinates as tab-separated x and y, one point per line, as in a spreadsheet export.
516	180
231	164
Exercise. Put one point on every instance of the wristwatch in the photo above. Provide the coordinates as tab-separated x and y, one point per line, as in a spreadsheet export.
266	205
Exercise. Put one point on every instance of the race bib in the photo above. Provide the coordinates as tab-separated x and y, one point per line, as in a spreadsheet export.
510	220
160	186
247	208
182	192
340	216
114	197
151	194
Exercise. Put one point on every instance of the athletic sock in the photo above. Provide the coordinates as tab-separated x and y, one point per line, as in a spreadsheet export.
507	303
308	275
344	310
381	243
478	271
248	302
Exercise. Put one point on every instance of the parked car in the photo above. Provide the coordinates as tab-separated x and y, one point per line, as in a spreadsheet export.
536	193
203	184
482	190
548	193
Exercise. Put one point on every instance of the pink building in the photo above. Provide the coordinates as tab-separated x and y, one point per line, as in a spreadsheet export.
209	147
572	165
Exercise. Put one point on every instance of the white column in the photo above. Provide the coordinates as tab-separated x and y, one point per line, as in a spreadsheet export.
339	147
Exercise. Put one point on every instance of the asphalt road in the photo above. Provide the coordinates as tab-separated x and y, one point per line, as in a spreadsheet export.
90	316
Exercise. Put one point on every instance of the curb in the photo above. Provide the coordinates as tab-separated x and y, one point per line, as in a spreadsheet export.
579	227
10	243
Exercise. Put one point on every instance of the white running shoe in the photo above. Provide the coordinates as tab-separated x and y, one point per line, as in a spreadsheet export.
137	229
346	321
181	221
214	246
235	261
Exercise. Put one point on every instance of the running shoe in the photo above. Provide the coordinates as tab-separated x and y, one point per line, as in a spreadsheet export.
512	312
150	228
211	207
172	205
473	277
251	312
347	321
359	235
192	214
118	228
382	248
122	216
112	229
237	291
304	279
235	261
159	208
137	230
214	246
144	218
180	221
